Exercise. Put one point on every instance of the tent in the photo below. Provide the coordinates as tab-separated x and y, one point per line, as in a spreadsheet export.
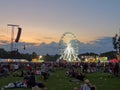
13	60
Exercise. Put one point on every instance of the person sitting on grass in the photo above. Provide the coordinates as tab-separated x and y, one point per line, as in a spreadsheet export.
28	81
78	77
87	86
17	84
32	82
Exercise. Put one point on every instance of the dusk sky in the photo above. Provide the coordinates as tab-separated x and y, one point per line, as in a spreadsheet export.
46	20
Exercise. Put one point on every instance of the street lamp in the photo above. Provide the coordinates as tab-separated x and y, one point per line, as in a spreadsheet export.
40	56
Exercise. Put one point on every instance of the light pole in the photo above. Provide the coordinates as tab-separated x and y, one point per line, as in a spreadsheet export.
12	34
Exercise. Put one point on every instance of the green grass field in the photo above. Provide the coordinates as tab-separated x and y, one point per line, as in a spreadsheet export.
58	81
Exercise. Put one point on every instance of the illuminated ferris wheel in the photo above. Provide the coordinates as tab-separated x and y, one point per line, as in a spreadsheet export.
69	47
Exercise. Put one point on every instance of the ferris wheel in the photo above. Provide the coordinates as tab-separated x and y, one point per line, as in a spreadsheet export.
69	47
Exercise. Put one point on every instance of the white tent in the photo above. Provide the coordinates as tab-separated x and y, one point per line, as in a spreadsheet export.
13	60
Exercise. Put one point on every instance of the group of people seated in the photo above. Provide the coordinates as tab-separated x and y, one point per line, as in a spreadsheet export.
4	72
86	86
29	77
28	81
78	76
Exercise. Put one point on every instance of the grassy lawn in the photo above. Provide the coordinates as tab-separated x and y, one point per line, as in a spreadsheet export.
58	81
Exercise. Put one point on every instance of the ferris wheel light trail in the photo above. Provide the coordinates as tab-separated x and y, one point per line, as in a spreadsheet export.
69	52
69	47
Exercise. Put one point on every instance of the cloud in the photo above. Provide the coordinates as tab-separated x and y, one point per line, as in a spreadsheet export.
4	42
48	38
4	39
2	35
97	46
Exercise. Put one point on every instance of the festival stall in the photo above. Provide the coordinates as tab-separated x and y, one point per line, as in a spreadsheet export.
113	61
102	59
35	60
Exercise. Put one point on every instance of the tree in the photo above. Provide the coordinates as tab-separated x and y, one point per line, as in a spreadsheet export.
34	55
116	43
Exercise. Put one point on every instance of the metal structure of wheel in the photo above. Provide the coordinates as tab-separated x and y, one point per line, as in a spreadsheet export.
69	47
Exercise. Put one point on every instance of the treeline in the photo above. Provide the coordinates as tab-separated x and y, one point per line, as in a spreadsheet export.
16	55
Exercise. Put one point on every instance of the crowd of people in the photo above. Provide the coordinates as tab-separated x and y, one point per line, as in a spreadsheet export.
28	73
77	71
